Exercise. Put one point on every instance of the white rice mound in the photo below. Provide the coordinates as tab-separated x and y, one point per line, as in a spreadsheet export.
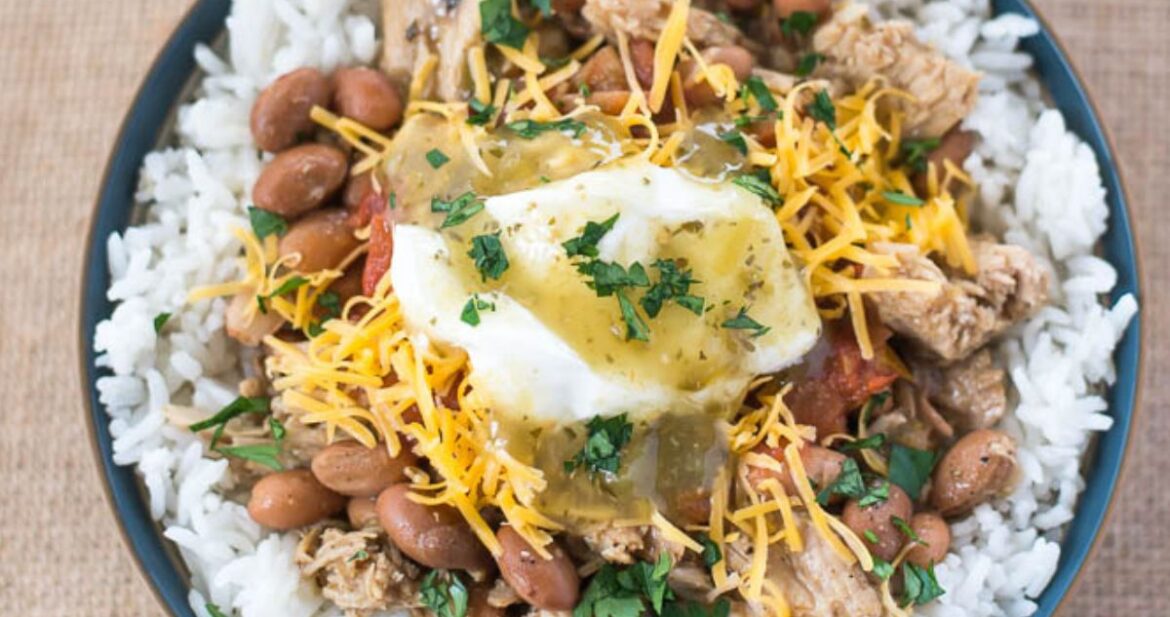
1040	188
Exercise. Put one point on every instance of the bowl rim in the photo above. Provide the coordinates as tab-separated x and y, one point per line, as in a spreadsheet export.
181	41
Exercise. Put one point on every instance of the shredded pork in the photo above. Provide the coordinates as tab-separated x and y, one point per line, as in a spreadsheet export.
857	51
417	30
359	571
644	19
971	394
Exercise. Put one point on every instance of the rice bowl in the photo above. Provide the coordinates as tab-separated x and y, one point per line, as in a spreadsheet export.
223	548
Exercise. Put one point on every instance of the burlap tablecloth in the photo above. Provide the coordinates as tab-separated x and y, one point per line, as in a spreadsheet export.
68	70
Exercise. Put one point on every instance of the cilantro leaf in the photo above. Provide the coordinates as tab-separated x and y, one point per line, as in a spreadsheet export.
481	113
489	256
801	22
684	608
849	483
902	199
214	610
741	321
910	468
625	592
242	405
822	110
870	536
919	585
874	495
753	183
882	568
161	320
608	277
585	245
808	64
436	158
873	442
673	286
458	210
636	328
475	304
265	223
545	7
499	26
745	120
906	530
602	451
530	129
277	428
444	593
265	454
359	555
292	284
756	87
711	554
735	139
913	152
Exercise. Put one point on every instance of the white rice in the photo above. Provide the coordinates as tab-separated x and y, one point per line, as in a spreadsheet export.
1040	188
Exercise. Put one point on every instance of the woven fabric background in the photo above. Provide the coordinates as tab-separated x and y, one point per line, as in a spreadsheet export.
68	70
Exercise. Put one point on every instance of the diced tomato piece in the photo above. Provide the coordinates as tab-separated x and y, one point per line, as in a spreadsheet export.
381	251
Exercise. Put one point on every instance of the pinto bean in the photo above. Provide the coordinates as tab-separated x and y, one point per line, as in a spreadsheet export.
362	512
290	499
323	240
743	5
300	179
642	57
352	469
699	93
548	584
955	146
478	605
367	96
435	536
821	465
785	8
602	72
610	103
280	115
879	520
567	6
934	537
980	466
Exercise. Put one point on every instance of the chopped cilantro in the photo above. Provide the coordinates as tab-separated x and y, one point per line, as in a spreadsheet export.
530	129
242	405
873	442
443	592
741	321
609	277
636	328
292	284
214	610
331	302
458	210
585	245
436	158
919	585
756	87
626	592
673	286
711	554
603	445
684	608
265	223
359	555
876	494
392	200
475	304
277	428
808	64
902	199
584	89
161	320
849	483
499	26
913	152
545	7
906	530
801	22
481	113
910	468
489	256
723	16
882	568
265	454
870	536
757	185
822	110
745	120
735	139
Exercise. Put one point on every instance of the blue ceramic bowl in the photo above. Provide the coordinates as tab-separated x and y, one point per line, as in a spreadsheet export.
174	67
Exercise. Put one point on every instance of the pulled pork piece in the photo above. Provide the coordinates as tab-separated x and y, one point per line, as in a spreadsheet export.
913	421
966	313
416	30
644	19
971	394
857	51
358	570
817	582
627	544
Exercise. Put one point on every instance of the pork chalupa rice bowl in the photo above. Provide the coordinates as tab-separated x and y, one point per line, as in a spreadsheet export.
613	308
